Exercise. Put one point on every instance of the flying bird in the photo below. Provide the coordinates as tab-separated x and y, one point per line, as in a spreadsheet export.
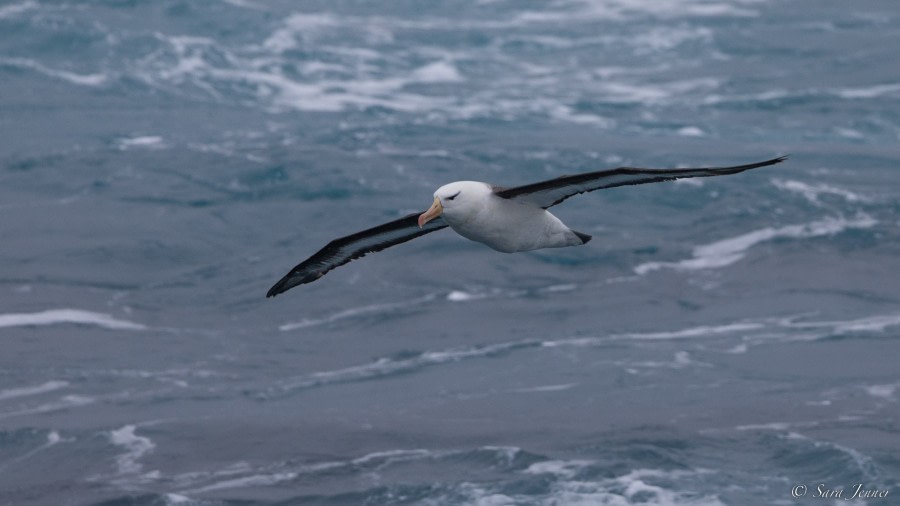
506	219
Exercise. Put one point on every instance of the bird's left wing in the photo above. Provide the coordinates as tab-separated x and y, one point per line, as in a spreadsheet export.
342	250
553	191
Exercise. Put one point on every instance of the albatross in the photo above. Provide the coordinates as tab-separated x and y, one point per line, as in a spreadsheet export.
506	219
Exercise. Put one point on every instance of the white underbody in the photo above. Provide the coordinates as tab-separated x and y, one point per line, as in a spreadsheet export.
510	226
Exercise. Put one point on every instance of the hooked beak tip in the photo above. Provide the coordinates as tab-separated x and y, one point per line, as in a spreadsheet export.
433	212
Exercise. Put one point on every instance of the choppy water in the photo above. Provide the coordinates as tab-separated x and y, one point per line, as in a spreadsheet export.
719	342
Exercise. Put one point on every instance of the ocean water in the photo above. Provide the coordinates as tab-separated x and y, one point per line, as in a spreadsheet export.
725	341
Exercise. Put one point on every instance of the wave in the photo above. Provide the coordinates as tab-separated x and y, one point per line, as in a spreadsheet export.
812	192
546	388
750	332
49	386
62	316
876	91
390	308
878	323
842	459
92	80
326	62
53	438
883	391
358	312
578	482
135	448
246	4
644	486
728	251
688	333
255	478
386	367
143	141
66	402
580	11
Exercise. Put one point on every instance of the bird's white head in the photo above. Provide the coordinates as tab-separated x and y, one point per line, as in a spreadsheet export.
456	200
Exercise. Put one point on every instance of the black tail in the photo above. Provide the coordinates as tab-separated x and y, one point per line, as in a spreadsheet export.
584	237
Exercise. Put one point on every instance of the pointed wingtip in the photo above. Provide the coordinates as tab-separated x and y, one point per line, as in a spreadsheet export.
774	161
278	287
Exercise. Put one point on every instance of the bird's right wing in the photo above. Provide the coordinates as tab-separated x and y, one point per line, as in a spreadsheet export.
342	250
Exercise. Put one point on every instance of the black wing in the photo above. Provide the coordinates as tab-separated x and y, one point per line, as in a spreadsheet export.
340	251
553	191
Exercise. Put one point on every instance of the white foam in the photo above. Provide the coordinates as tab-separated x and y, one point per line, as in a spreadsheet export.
870	324
680	360
738	349
565	113
878	323
644	93
461	296
728	251
356	312
886	391
863	462
689	181
144	141
331	96
869	91
243	3
811	192
388	366
178	498
546	388
256	480
566	287
79	79
135	447
849	133
437	72
691	131
63	316
701	331
666	38
49	386
636	487
66	402
688	333
284	38
776	426
563	468
479	294
9	11
392	456
623	9
376	460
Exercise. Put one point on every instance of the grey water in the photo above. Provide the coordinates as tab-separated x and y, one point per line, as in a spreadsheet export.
724	341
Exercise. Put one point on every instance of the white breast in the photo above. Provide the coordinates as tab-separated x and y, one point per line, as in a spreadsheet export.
510	226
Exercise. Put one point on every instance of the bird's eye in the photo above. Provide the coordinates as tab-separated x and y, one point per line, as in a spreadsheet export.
454	195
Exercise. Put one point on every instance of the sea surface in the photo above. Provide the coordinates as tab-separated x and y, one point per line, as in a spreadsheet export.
721	341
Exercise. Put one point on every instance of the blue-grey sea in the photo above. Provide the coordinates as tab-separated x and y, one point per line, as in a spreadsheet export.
721	341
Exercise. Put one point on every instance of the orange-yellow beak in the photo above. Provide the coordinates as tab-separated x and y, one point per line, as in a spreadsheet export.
433	212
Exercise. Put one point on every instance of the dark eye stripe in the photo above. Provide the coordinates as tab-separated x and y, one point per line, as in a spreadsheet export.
454	195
